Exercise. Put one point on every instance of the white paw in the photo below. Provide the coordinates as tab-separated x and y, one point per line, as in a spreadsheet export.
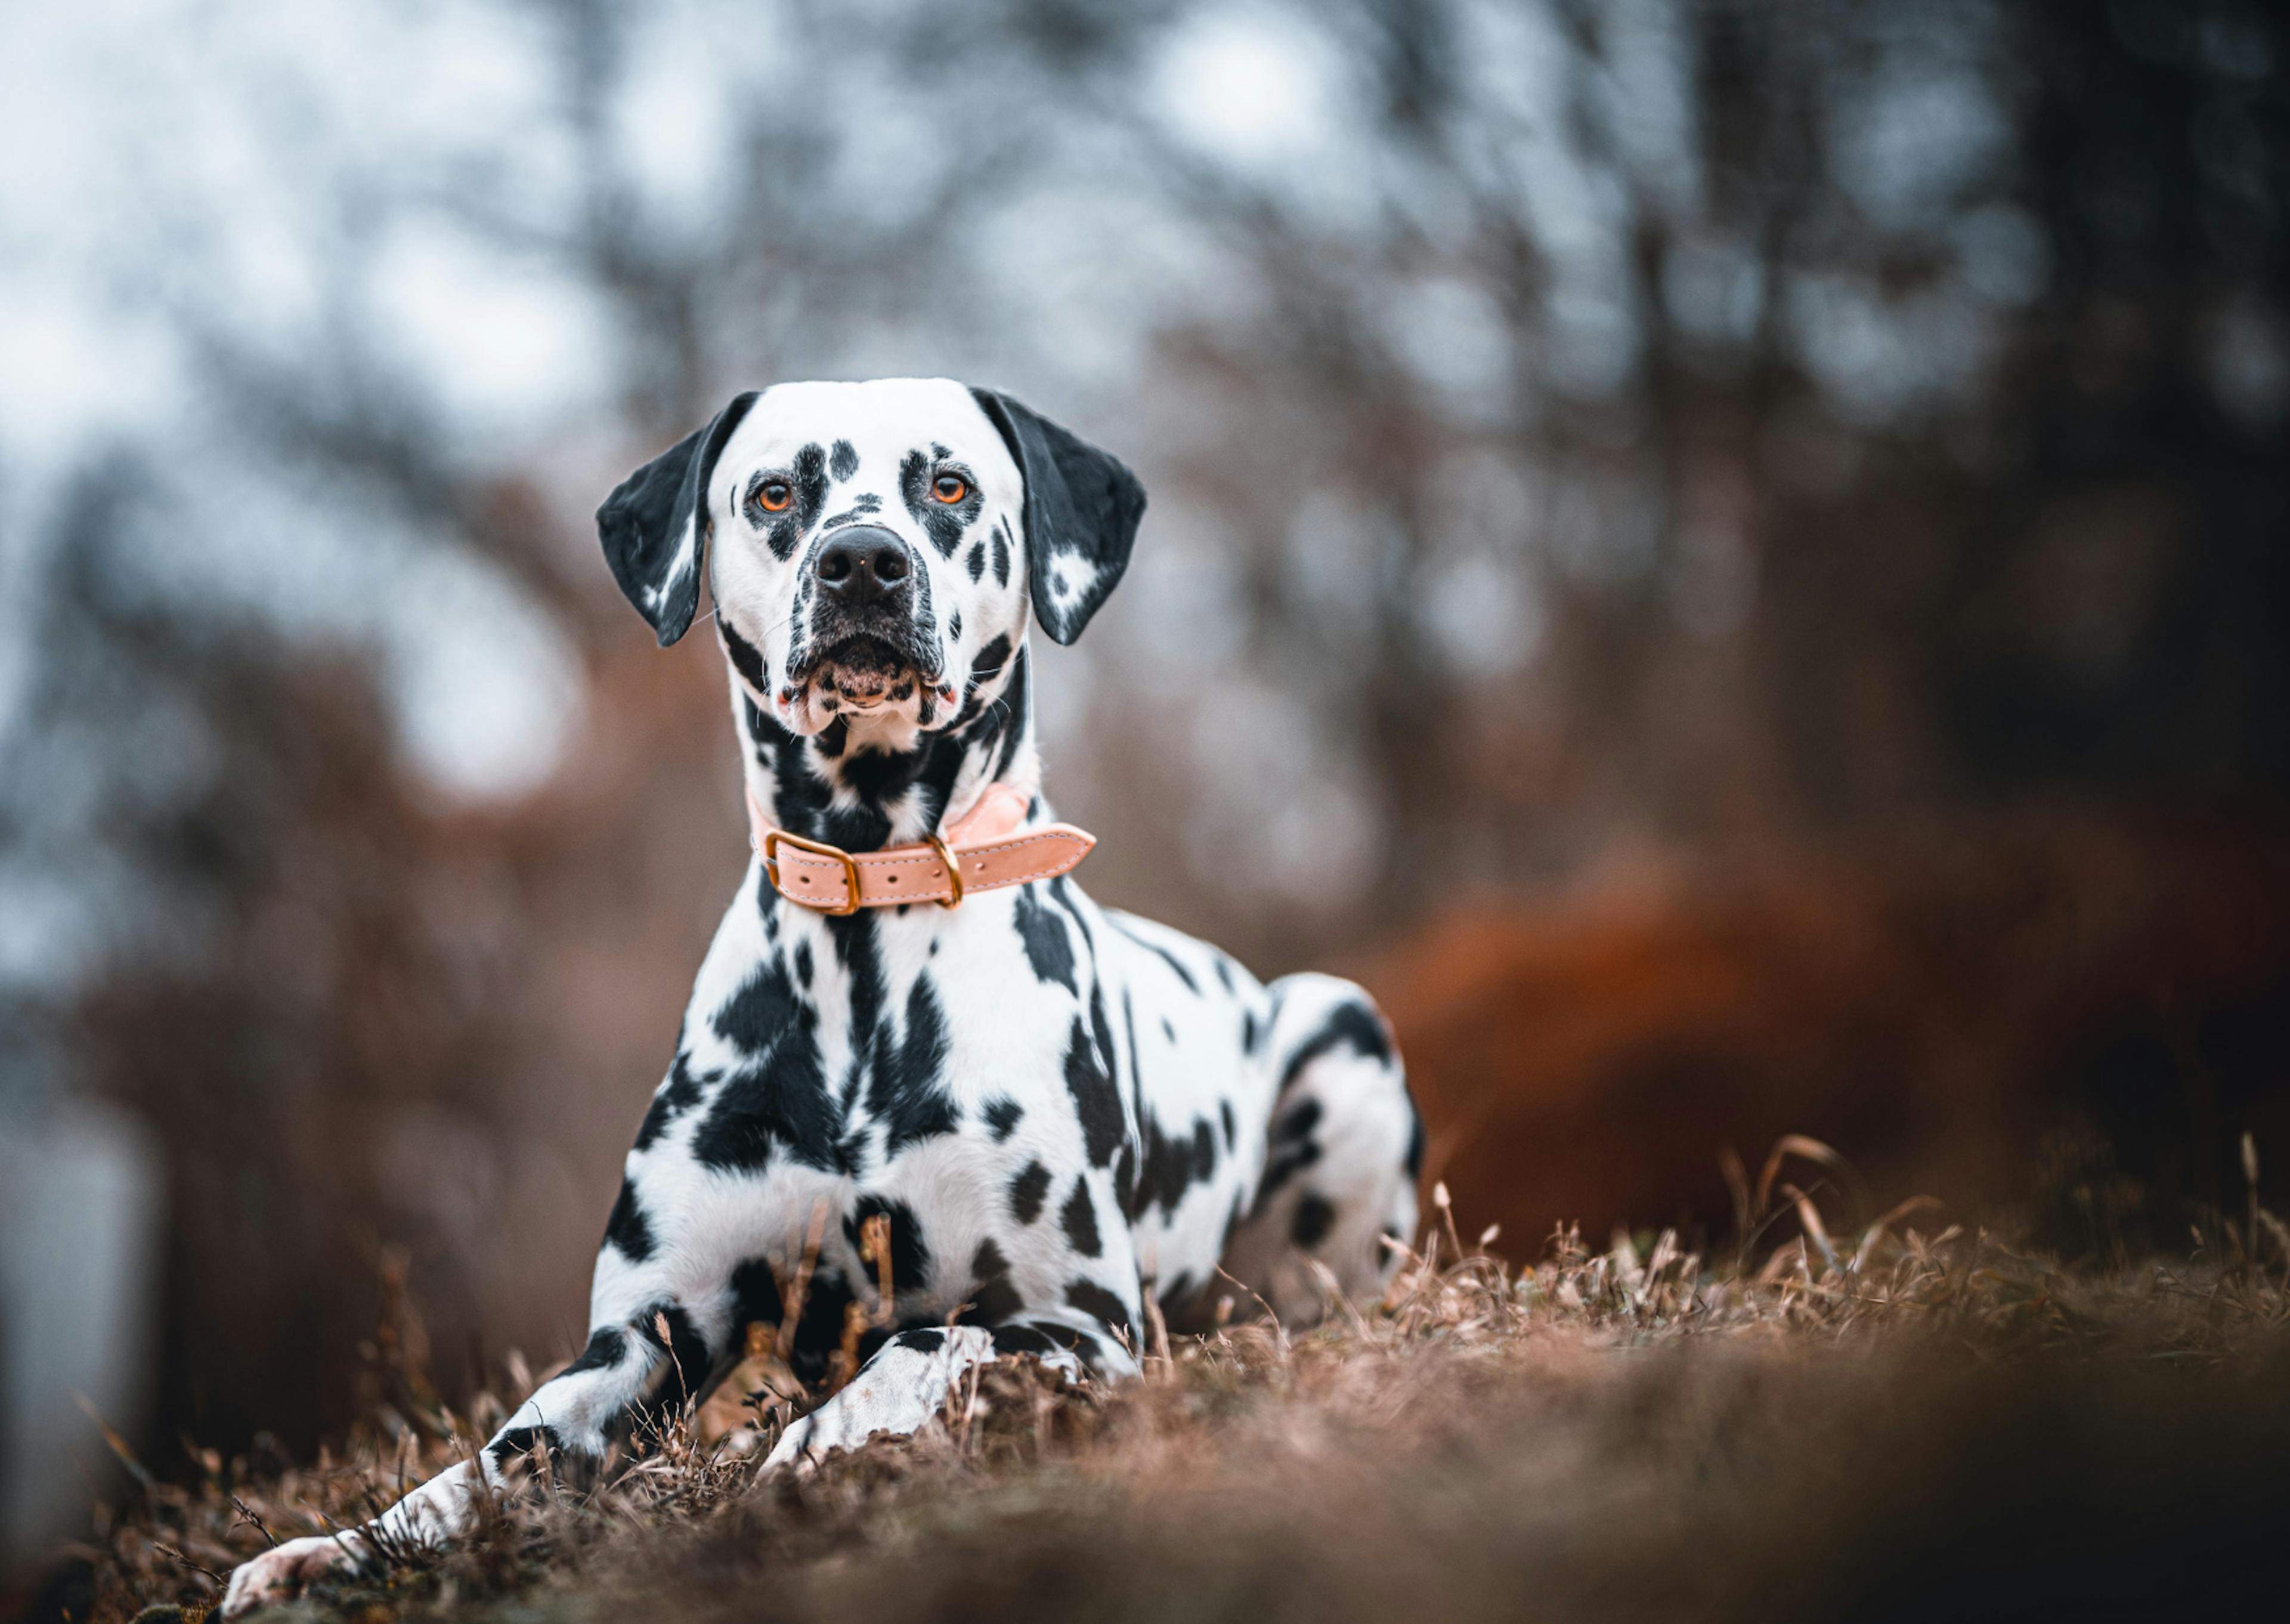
793	1449
899	1392
279	1574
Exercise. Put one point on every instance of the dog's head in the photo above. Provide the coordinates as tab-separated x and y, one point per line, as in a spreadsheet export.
873	549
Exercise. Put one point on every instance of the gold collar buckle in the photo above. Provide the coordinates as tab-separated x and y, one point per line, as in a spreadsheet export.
776	838
953	868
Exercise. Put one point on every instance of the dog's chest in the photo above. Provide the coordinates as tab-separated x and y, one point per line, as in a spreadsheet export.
961	1074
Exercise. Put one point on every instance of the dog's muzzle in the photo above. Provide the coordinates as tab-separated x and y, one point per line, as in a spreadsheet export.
866	649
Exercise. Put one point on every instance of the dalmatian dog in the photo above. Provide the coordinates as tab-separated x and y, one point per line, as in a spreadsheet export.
927	1095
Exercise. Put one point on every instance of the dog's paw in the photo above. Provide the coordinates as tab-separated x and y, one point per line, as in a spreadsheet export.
281	1574
793	1450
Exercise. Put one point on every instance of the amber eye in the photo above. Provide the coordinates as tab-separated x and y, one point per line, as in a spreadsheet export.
773	496
949	488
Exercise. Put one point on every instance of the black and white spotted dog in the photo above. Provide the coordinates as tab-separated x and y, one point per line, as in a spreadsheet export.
1057	1109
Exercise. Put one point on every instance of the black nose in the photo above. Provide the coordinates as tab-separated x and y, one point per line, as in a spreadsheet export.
861	563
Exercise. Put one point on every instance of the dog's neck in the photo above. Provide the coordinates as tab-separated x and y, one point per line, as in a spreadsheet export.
863	783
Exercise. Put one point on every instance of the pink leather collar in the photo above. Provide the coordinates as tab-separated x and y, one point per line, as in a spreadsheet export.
983	850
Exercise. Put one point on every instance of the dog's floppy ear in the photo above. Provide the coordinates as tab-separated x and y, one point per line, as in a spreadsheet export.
1082	511
654	525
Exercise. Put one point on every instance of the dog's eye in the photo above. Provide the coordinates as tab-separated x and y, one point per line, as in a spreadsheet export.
949	488
774	495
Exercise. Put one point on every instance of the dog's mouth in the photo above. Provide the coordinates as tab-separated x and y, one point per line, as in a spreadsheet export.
861	673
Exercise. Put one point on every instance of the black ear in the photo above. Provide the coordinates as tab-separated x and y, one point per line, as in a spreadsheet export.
654	525
1082	511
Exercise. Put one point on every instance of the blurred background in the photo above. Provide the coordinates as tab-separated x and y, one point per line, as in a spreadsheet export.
1728	559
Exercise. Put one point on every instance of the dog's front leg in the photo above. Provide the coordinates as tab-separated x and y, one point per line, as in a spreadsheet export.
1092	1331
430	1514
560	1432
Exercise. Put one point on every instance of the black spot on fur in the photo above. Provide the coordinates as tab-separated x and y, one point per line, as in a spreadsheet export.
859	954
1028	1191
1001	554
907	1091
1079	1217
1293	1148
1232	1127
780	1096
761	1012
1249	1034
1048	948
1002	1117
992	1298
679	1094
1124	1181
954	627
1298	1124
1314	1219
1351	1022
1100	1305
988	662
738	1135
1009	1339
517	1442
845	462
746	660
1097	1103
1171	1165
974	560
1415	1163
859	950
607	1346
628	1229
924	1340
689	1361
811	482
755	1296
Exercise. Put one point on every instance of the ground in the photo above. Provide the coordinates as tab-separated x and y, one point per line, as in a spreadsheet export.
1913	1418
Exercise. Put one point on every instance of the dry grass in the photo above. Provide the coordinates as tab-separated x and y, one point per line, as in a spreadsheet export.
1882	1419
